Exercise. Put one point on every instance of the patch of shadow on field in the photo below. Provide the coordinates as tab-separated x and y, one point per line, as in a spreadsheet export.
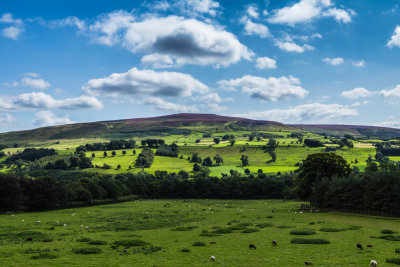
23	236
142	221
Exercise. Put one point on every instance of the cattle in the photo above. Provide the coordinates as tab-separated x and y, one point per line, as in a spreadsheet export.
51	228
212	243
370	246
29	239
359	246
274	243
308	263
251	246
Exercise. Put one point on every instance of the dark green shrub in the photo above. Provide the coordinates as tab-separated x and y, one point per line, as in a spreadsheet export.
250	230
182	228
387	232
393	260
328	229
43	256
263	225
90	250
284	226
303	232
199	244
223	231
131	243
354	227
97	242
390	237
309	241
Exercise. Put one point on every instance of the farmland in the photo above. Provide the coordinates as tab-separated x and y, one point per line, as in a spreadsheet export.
171	226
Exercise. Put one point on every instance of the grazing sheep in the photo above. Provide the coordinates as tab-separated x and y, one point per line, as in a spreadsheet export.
370	246
212	258
274	243
251	246
65	225
212	243
373	263
87	227
308	263
360	247
81	226
38	222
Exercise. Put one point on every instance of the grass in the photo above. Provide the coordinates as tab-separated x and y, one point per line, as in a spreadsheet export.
330	229
151	241
393	261
318	241
303	232
87	250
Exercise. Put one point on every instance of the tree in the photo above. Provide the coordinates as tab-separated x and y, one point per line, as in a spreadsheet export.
113	153
123	152
198	141
216	140
134	152
218	159
207	161
105	154
119	167
196	167
245	160
316	167
93	155
232	142
247	171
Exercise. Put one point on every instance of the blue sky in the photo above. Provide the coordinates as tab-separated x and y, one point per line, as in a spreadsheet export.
302	61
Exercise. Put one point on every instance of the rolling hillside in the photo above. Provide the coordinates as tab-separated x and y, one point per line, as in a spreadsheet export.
183	123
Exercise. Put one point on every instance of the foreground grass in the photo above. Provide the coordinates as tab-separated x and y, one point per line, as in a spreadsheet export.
174	232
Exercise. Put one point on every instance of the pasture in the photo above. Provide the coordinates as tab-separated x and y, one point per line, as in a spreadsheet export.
179	232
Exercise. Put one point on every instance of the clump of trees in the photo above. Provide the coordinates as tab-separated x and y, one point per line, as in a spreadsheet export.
153	143
112	145
145	158
313	143
270	148
30	154
168	150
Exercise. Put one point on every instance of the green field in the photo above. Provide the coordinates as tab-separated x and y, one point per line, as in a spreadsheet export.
172	225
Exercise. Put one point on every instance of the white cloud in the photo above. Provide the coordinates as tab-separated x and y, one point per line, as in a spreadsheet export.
12	32
334	61
359	64
390	124
35	83
311	113
395	92
252	28
308	10
146	83
203	6
158	61
213	107
31	74
161	104
185	41
47	118
265	63
15	29
356	93
7	118
252	11
214	97
291	46
40	100
395	39
271	89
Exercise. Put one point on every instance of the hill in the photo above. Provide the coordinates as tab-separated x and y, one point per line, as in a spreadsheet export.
355	130
183	123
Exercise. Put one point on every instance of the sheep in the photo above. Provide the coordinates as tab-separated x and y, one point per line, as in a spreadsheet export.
373	263
359	246
87	227
251	246
212	258
38	222
274	243
81	226
308	263
65	225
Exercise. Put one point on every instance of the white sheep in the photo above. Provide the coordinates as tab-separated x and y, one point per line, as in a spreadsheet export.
38	222
373	263
87	228
212	258
81	226
65	225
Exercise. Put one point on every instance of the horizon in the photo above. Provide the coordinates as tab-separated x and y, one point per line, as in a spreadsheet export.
298	62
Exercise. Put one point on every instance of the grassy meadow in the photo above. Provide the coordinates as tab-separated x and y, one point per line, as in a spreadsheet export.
179	232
